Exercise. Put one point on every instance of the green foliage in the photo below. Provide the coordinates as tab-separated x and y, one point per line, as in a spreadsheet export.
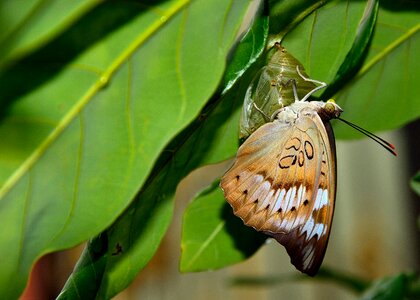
400	286
106	106
415	183
209	241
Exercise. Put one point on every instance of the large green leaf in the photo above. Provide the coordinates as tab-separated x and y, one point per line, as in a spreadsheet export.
100	116
128	245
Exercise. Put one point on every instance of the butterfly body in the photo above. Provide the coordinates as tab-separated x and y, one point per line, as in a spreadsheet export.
283	180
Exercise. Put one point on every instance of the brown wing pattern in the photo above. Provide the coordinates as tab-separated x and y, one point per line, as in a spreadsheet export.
283	183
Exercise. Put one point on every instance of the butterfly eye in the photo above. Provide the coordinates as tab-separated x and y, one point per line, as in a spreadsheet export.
329	108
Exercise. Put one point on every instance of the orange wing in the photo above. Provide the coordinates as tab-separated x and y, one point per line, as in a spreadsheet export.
283	183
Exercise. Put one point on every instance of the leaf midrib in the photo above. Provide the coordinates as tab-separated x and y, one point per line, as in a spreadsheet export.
204	245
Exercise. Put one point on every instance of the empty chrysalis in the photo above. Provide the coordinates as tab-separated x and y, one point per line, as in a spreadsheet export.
272	89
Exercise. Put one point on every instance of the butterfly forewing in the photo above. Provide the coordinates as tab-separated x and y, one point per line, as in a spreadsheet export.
283	183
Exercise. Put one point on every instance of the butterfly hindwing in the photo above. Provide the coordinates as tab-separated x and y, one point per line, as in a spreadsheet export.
283	183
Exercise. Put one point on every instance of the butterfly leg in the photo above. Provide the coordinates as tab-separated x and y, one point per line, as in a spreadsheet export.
267	118
321	85
291	82
295	91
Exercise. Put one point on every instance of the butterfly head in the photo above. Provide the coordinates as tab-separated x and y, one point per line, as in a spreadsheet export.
330	110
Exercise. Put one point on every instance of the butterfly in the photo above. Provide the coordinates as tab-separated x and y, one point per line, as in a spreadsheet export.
271	89
283	180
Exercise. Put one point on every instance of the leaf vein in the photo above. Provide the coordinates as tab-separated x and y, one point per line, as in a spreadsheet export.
206	243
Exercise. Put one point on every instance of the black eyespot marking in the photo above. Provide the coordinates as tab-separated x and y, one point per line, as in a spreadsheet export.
256	201
237	177
279	210
306	202
287	161
322	173
293	208
245	192
293	143
267	207
301	159
309	150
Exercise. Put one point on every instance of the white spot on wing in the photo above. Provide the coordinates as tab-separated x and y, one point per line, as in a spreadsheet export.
267	199
309	225
311	228
280	199
321	199
261	191
301	193
318	229
324	198
289	198
277	198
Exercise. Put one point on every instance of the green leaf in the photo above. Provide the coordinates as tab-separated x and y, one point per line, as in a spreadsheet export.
251	47
387	288
26	25
90	266
415	183
354	58
101	119
286	15
212	237
384	93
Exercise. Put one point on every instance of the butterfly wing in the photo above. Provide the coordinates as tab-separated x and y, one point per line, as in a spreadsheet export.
283	183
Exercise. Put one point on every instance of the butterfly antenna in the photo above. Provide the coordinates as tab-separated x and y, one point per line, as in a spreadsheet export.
388	146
